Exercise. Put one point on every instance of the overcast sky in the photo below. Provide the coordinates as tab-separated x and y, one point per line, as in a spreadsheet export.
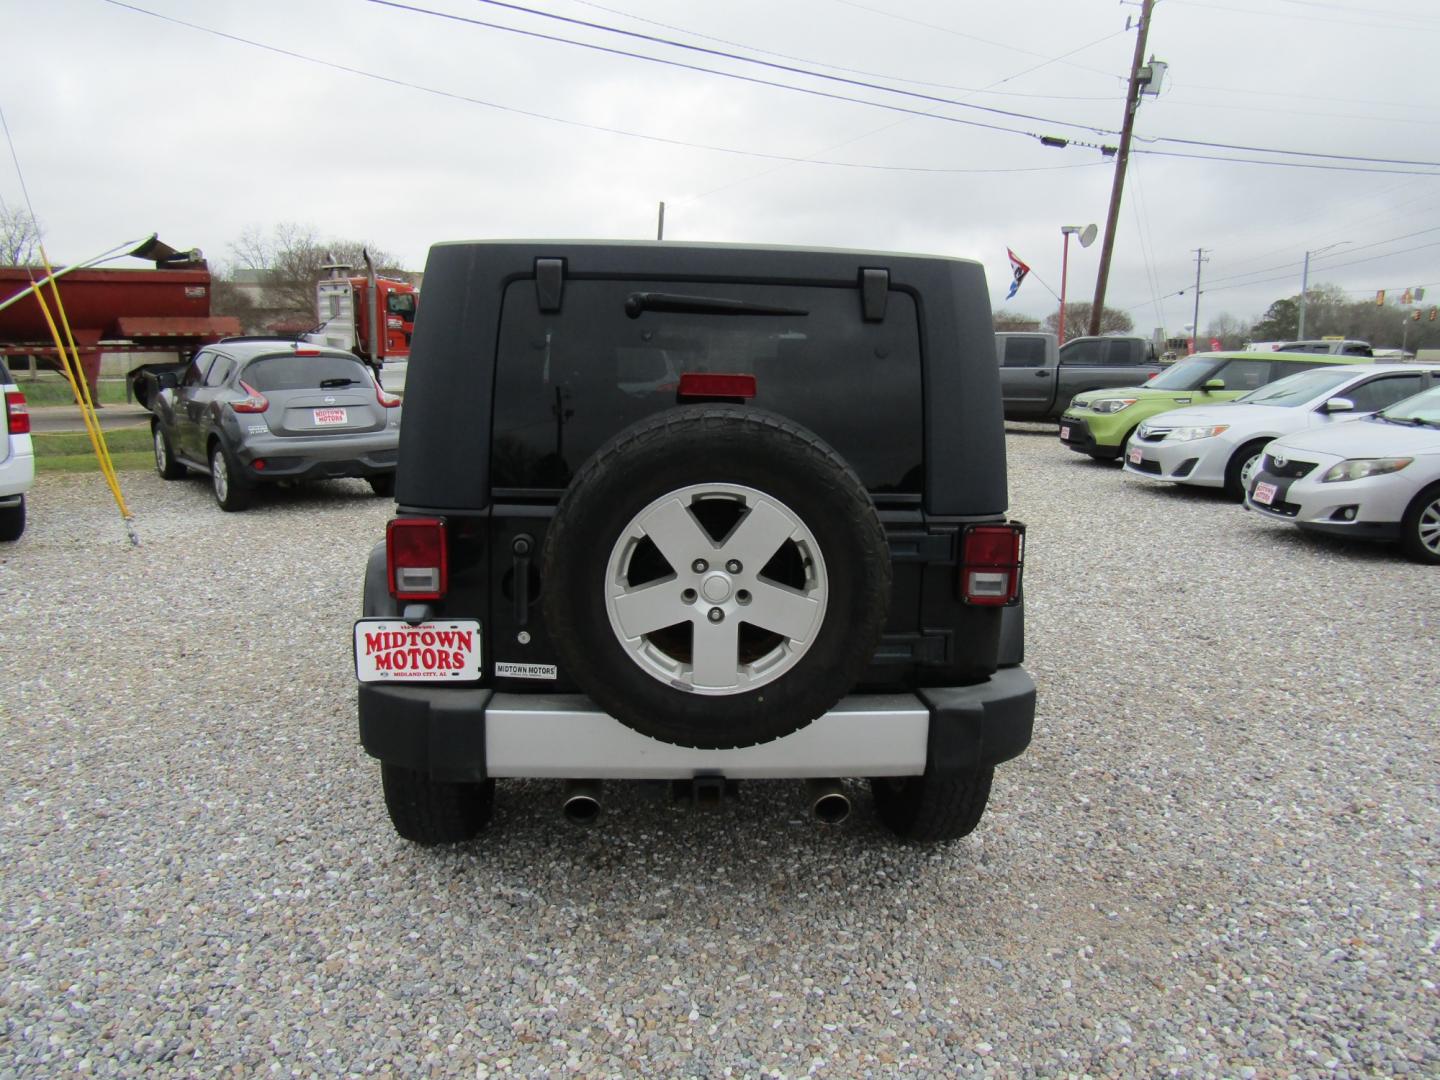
370	121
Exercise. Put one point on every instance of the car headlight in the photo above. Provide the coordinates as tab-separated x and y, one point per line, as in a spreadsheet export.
1190	434
1112	405
1360	468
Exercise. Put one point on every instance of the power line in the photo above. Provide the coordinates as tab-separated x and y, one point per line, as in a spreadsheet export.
873	74
721	54
605	129
1286	164
393	81
935	99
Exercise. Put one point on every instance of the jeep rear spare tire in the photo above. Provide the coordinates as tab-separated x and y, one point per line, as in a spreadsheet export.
715	576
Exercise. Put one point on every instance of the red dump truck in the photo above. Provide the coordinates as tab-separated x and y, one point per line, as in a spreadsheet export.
153	318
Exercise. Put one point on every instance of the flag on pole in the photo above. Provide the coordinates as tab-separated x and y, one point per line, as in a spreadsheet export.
1019	269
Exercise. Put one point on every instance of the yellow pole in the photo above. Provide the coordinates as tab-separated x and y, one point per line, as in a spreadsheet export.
75	375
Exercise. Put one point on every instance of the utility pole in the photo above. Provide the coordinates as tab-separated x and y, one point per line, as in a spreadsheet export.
1195	333
660	227
1132	103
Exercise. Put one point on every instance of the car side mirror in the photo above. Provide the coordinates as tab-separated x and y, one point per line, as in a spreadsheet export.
167	380
1214	384
1338	404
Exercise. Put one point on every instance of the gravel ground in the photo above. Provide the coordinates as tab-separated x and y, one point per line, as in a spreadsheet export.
1218	858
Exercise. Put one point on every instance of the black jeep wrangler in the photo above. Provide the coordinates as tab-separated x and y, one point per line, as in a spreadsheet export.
696	513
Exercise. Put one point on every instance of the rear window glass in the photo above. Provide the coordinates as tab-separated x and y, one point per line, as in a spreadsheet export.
567	381
1024	352
302	372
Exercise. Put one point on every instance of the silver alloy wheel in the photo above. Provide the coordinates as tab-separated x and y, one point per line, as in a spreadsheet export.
745	629
1247	471
162	458
220	475
1427	527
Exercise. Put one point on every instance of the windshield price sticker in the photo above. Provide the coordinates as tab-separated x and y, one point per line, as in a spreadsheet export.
324	417
1265	493
391	650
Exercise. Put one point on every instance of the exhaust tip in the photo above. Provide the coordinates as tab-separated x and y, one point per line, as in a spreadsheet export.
831	809
582	802
828	802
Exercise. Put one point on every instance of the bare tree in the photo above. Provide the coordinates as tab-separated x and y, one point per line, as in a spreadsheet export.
293	258
1013	320
1077	317
1231	332
20	236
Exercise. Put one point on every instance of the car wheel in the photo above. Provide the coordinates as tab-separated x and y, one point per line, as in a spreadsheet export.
12	521
384	486
435	811
715	576
1420	528
932	808
165	463
1241	468
231	492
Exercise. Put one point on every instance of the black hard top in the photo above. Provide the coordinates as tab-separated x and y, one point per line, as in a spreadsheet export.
445	441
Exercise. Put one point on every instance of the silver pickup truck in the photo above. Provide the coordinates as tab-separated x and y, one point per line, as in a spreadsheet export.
1037	380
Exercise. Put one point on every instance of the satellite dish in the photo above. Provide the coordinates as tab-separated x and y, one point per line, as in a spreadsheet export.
1087	237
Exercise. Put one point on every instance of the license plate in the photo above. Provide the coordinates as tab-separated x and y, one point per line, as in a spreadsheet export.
1264	493
1135	456
391	650
1065	432
327	417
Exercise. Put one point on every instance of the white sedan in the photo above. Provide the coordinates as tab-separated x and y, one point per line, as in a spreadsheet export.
1378	478
1220	445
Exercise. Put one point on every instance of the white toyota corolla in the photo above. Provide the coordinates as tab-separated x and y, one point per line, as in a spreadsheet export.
1220	445
1377	478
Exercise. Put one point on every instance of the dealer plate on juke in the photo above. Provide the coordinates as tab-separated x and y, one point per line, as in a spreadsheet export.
392	650
330	417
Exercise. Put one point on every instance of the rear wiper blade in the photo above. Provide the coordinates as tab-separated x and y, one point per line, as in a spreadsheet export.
639	302
329	384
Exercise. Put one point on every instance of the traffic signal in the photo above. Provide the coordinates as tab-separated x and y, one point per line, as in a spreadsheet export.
1415	316
1432	314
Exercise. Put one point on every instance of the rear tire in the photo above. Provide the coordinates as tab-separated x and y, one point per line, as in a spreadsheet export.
932	808
12	521
231	492
432	812
1420	528
383	486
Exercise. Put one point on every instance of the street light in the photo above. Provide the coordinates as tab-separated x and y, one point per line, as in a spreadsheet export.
1305	282
1087	237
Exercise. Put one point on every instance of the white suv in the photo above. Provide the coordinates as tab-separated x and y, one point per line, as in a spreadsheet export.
17	459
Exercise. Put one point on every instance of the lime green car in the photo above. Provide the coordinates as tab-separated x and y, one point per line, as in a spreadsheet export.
1100	422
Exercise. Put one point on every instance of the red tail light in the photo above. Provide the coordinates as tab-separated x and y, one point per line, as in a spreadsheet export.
390	401
17	415
417	558
255	403
705	384
306	350
990	564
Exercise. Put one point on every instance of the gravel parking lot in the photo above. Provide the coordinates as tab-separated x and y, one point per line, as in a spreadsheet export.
1218	858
